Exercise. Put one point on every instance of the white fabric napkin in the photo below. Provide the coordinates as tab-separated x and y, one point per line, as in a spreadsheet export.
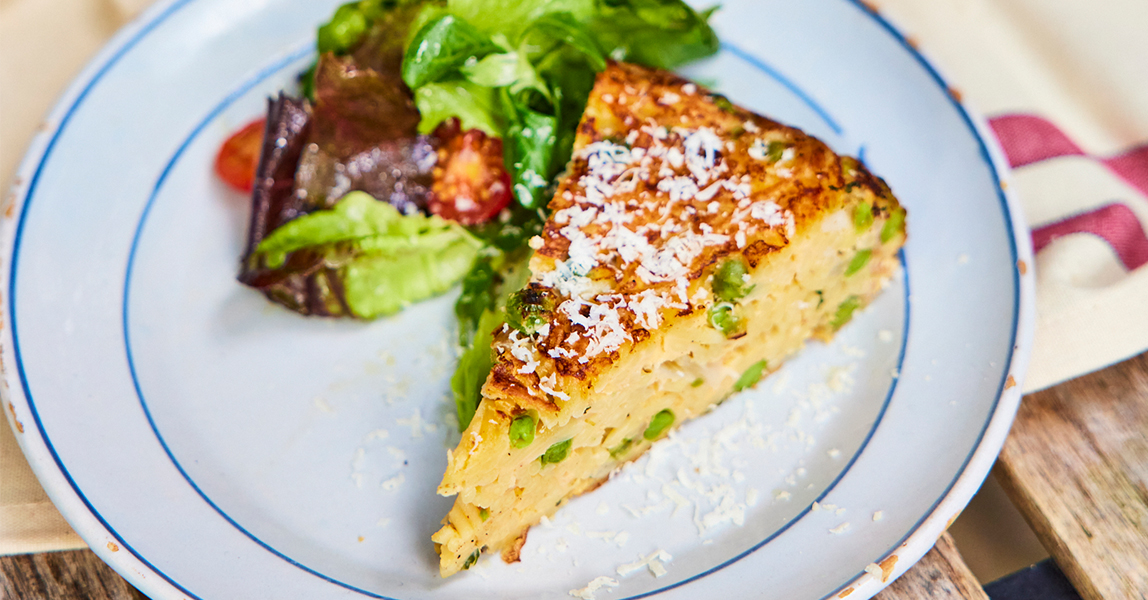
1062	82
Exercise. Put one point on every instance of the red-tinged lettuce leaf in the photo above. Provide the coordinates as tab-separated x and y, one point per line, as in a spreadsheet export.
364	138
273	196
360	135
357	107
303	283
381	48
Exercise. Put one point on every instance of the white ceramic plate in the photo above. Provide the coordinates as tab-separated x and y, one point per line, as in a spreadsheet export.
210	445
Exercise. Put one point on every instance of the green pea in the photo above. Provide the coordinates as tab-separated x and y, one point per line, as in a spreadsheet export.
845	311
775	150
848	167
859	261
751	376
483	514
470	560
699	382
621	448
863	216
729	280
659	424
527	310
894	225
723	103
557	453
522	431
723	318
344	30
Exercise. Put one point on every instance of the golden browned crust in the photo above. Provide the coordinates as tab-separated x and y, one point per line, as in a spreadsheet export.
512	553
719	181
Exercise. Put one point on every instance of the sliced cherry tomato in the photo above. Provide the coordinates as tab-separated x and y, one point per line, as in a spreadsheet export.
239	156
471	184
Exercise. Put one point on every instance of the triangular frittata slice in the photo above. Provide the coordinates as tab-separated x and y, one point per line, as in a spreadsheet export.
692	247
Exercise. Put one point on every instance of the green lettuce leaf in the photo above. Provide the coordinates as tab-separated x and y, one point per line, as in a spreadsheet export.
532	139
509	18
482	310
511	70
473	367
563	28
440	48
659	33
383	260
474	105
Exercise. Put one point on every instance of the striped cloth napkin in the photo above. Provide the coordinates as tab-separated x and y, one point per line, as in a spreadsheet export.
1062	83
1063	86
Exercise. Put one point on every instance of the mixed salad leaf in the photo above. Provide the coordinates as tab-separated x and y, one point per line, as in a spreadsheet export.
464	109
526	68
382	259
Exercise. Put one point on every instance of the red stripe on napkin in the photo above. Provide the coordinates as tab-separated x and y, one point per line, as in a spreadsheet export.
1028	139
1114	223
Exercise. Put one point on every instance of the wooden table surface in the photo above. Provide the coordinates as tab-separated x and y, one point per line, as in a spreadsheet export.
1075	464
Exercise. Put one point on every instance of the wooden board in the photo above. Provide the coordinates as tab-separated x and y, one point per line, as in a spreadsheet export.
1076	466
79	575
940	575
69	575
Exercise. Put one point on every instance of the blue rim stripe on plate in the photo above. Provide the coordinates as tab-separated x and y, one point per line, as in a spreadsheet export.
293	57
1007	364
144	30
177	4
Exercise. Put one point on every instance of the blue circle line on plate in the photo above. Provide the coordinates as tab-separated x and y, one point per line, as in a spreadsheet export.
237	93
163	15
179	467
777	76
144	30
1007	364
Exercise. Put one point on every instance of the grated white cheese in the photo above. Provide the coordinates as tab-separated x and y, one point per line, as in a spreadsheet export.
647	307
602	326
758	150
393	483
587	593
378	434
548	385
654	562
415	422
